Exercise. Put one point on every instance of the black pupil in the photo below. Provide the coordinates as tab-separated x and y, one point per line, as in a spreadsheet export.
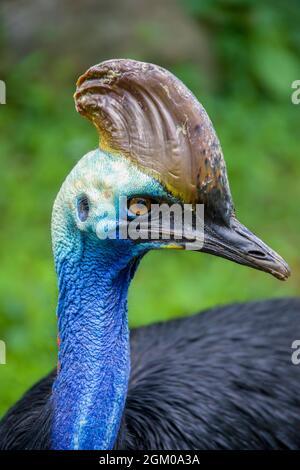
83	208
138	206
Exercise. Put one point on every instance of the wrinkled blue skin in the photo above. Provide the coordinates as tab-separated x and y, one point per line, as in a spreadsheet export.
93	276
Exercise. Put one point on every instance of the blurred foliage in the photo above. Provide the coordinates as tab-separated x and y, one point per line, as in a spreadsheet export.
254	50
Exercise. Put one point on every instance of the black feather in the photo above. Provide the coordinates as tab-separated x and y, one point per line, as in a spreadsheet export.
222	379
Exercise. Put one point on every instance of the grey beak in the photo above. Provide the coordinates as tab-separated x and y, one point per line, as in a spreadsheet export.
236	243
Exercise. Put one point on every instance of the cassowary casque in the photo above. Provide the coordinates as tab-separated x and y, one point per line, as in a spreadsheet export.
222	379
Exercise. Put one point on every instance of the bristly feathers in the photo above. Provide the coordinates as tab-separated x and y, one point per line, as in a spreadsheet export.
220	380
234	386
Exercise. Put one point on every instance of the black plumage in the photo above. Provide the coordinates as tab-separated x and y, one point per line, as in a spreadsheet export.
222	379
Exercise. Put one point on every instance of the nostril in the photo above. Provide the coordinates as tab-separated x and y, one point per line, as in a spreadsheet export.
256	254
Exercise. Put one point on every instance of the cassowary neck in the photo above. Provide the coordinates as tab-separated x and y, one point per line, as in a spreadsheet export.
93	371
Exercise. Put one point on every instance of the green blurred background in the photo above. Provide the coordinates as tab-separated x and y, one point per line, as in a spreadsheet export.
239	57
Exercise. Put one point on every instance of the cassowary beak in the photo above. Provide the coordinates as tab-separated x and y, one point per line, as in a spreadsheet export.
236	243
165	131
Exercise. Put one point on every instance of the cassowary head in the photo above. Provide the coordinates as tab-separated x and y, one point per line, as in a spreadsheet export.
159	161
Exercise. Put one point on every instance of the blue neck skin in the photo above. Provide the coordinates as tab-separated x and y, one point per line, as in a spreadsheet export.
90	390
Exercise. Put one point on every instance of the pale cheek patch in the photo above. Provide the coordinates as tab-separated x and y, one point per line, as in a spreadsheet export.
103	179
117	176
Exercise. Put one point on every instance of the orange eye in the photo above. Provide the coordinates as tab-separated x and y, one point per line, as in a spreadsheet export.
138	206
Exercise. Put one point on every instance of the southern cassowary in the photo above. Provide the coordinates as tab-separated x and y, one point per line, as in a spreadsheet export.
223	379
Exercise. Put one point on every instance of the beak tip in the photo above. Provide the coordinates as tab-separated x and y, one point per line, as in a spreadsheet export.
283	272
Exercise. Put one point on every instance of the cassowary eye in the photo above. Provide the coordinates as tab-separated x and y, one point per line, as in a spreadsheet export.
83	208
138	206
